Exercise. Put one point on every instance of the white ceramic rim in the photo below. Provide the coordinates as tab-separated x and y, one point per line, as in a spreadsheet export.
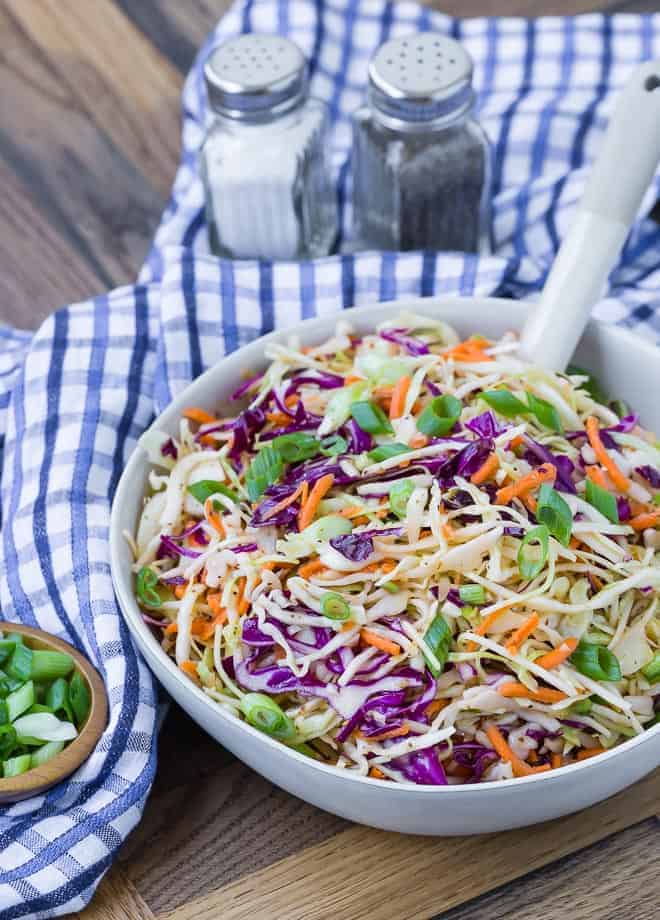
131	611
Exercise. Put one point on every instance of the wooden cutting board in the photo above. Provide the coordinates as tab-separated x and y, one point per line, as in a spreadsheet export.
218	841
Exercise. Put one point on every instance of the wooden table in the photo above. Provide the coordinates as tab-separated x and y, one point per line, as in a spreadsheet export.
89	140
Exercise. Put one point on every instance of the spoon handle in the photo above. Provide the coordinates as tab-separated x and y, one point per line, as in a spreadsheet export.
614	192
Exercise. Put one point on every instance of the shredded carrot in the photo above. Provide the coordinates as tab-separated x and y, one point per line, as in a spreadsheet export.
383	392
542	695
351	512
471	350
348	626
555	761
487	469
388	566
278	418
201	416
585	753
484	626
352	378
279	653
496	738
518	441
385	645
642	521
546	472
375	773
292	400
447	532
180	590
434	707
574	542
202	628
171	629
417	441
213	600
397	732
214	519
597	476
189	668
289	500
521	634
310	568
561	653
321	487
621	481
399	396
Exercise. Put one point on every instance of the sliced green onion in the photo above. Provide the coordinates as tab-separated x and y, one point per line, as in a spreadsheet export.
472	594
5	686
596	661
57	698
530	566
38	727
440	416
263	713
8	741
602	500
619	407
327	527
338	408
591	384
20	700
145	587
652	670
295	447
385	451
437	640
370	417
205	488
4	712
39	707
265	469
45	752
582	707
48	665
554	512
333	445
20	664
504	402
400	493
16	765
656	498
334	607
390	586
7	646
79	698
545	412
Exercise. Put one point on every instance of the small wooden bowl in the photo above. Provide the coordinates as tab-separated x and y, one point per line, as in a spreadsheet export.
38	780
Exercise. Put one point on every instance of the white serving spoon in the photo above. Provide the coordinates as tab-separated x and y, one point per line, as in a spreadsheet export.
620	177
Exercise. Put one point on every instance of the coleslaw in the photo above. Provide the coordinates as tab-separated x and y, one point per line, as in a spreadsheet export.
413	557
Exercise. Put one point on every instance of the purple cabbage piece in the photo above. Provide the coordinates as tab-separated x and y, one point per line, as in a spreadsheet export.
168	547
381	703
359	440
475	757
324	380
354	547
626	424
175	580
244	387
432	388
541	734
421	767
168	449
400	337
651	475
151	621
623	508
458	499
283	518
455	598
381	532
253	636
485	425
465	462
244	548
536	453
244	429
572	723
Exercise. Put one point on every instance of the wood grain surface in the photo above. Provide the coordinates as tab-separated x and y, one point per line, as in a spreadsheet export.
89	143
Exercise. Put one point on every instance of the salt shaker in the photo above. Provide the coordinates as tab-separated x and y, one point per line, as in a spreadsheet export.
264	160
421	163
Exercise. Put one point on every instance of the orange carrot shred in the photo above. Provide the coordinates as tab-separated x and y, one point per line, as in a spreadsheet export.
310	568
385	645
597	476
171	629
289	500
399	396
542	695
546	472
521	634
585	753
621	481
180	590
397	732
213	600
434	707
644	520
321	487
201	416
484	626
555	761
556	656
500	746
352	378
417	441
375	773
487	469
189	668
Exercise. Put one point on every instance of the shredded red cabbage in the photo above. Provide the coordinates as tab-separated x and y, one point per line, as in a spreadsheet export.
485	425
623	507
168	449
422	767
651	475
400	337
168	547
354	547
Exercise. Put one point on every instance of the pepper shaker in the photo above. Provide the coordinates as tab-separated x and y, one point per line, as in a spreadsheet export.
421	162
264	161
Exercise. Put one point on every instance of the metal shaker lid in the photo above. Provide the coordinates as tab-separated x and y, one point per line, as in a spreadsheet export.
253	76
420	78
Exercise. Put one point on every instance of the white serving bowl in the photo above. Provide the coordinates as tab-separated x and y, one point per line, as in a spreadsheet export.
629	368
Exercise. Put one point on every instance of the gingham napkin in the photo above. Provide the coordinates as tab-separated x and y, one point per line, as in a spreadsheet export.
75	396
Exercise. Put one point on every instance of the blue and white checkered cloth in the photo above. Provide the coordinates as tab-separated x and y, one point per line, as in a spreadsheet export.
75	396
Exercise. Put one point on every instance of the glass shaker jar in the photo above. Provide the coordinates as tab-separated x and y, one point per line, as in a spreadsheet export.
264	160
421	163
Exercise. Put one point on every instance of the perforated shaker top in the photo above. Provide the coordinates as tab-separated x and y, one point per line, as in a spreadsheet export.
255	74
421	77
